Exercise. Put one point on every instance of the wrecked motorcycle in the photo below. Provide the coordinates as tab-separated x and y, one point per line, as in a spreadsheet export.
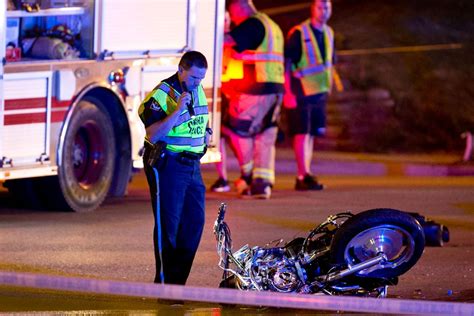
347	254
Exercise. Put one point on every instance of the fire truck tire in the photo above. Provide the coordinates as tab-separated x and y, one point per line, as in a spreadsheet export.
86	169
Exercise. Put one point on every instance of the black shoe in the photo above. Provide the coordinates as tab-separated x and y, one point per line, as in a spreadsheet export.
259	189
221	185
309	183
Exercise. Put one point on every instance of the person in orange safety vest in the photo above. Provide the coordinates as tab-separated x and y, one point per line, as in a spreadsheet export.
253	83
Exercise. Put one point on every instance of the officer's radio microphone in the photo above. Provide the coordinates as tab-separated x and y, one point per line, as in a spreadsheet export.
190	104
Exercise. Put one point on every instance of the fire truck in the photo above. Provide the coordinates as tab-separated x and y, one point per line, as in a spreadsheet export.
72	76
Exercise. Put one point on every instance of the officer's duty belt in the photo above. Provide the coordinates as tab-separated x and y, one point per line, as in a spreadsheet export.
184	154
184	157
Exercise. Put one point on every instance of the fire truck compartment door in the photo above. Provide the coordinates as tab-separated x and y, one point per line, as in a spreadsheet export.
139	28
26	118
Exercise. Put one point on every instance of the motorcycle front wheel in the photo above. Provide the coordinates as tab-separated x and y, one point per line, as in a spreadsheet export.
365	235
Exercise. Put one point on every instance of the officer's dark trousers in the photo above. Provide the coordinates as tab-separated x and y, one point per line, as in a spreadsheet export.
179	217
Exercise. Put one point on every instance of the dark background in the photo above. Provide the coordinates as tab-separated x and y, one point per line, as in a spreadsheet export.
416	101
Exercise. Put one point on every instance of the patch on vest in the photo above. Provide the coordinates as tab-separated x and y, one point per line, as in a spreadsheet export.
155	106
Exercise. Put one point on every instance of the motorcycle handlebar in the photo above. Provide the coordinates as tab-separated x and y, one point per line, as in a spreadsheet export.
220	218
221	212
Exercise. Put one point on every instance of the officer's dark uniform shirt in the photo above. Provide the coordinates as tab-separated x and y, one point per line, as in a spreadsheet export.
249	35
294	51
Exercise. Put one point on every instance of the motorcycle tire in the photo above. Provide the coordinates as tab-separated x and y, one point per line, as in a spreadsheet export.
395	233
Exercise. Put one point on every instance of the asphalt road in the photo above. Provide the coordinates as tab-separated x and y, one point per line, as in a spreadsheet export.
115	242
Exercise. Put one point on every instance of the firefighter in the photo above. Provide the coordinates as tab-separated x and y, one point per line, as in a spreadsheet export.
175	115
255	88
309	58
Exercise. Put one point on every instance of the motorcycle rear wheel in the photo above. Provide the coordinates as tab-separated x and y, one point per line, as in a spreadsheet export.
365	235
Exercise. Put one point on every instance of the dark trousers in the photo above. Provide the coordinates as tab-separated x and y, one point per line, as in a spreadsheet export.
179	216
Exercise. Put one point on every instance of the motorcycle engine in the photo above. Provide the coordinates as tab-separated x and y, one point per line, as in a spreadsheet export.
272	270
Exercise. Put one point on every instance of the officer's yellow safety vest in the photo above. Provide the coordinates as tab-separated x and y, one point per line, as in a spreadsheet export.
267	58
315	73
188	134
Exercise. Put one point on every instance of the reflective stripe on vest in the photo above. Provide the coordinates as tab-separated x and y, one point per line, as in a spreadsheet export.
268	57
188	133
315	75
256	57
184	117
180	141
310	70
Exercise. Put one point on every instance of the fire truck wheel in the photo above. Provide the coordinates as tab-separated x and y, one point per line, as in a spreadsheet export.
88	158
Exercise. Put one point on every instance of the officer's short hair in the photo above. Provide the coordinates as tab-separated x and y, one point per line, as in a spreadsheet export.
193	58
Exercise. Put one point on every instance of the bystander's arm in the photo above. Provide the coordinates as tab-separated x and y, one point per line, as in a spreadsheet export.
293	51
289	99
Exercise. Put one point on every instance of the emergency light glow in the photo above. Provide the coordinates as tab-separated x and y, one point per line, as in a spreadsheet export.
117	77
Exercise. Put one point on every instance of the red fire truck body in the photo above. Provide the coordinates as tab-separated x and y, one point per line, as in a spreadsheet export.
73	75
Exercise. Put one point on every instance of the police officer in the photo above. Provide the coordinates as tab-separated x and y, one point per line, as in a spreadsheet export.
309	58
175	115
255	90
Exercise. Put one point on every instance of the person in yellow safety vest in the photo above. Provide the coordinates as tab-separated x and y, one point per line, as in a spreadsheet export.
255	91
175	115
309	59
